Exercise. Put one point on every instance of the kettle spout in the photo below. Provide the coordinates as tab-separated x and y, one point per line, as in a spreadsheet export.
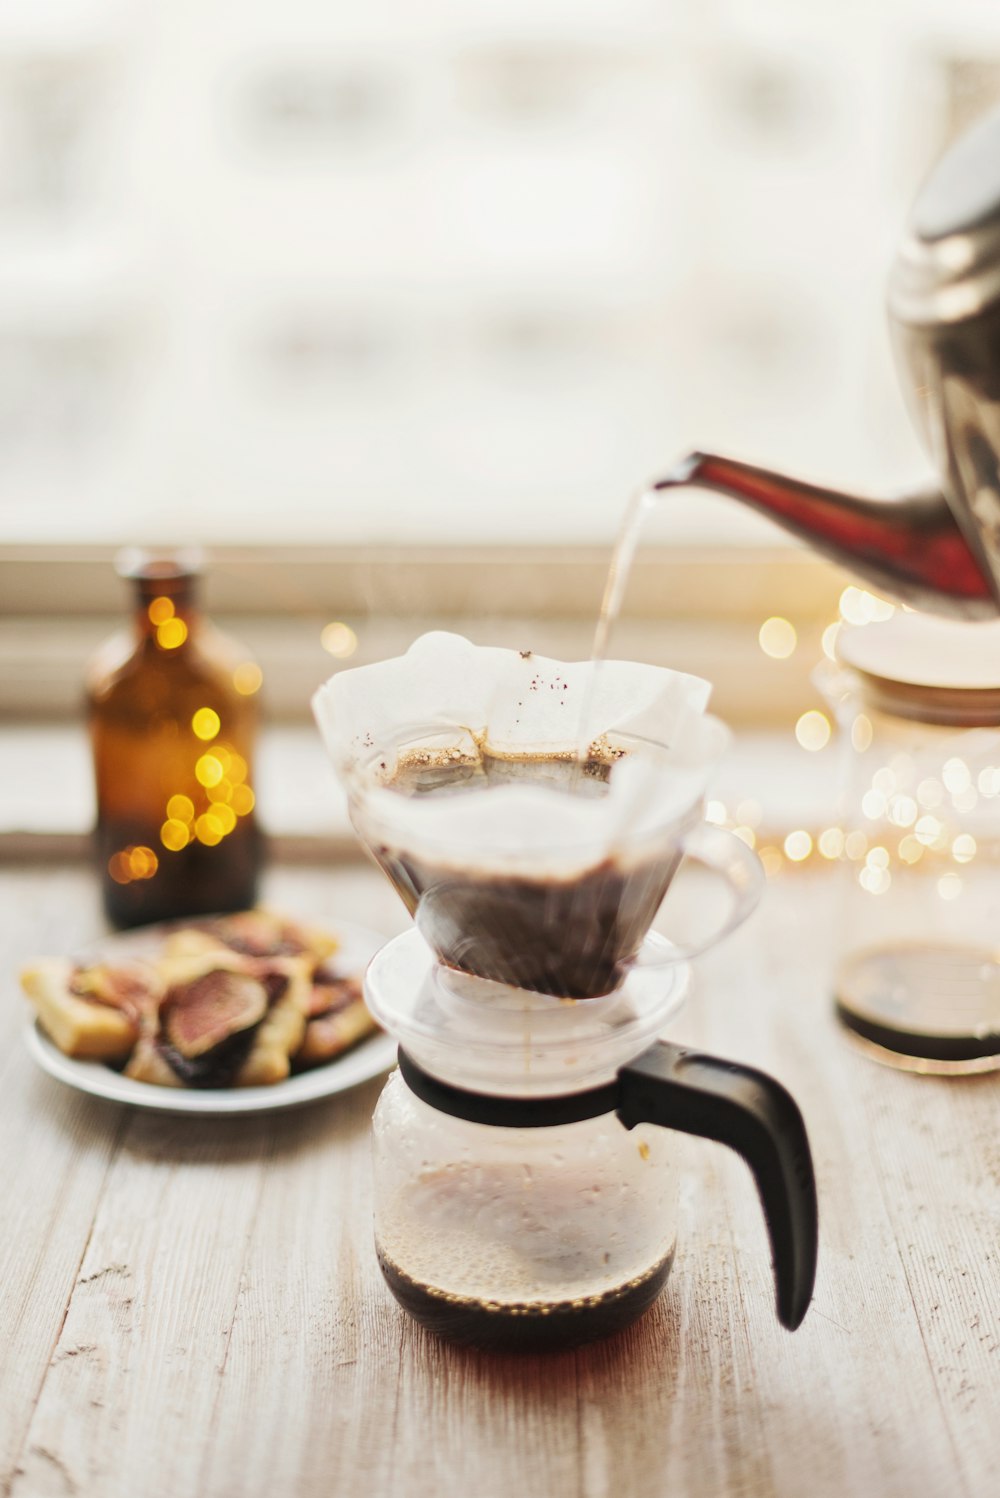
910	546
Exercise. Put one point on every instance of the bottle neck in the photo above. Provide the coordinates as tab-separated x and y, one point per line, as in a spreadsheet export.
165	608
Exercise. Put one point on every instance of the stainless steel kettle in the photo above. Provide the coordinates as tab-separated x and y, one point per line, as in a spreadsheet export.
939	549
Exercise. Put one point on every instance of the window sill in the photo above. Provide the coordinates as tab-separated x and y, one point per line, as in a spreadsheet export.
696	610
47	801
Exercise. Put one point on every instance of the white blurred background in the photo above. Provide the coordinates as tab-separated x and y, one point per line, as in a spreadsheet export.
295	270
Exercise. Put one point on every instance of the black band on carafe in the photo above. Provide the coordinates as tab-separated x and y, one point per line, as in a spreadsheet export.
506	1112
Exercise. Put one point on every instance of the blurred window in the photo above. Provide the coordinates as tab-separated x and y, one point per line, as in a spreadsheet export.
304	272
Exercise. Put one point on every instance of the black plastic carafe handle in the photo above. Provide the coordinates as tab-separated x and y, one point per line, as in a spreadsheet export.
752	1113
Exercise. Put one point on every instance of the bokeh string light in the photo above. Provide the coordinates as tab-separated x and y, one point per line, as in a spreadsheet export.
339	640
170	632
224	798
248	678
777	638
908	819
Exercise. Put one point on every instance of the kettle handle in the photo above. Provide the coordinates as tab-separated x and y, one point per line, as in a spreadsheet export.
758	1118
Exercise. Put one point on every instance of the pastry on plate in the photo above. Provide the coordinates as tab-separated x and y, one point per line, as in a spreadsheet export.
250	933
338	1019
96	1012
224	1021
226	1001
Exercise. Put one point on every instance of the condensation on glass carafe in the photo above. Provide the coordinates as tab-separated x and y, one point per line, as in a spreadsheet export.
521	1238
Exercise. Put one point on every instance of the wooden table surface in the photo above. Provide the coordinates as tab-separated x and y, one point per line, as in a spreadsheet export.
193	1307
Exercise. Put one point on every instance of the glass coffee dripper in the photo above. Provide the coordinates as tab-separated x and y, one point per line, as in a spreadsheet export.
525	1152
564	915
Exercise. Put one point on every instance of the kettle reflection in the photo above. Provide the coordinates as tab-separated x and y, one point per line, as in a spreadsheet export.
937	550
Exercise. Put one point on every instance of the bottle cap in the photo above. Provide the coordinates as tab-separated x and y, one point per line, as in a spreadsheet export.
160	565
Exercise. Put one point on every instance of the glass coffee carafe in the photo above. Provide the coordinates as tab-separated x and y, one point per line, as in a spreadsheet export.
526	1152
526	1155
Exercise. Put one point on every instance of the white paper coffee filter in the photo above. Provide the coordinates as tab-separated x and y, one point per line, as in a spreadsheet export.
519	704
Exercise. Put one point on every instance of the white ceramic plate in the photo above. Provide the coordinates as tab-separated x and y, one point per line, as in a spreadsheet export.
370	1059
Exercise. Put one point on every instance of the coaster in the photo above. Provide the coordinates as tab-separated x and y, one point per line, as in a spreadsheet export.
929	1004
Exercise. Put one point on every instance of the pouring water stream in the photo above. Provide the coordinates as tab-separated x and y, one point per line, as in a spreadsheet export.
640	506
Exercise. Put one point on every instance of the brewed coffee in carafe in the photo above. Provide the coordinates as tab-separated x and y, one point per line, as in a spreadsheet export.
524	1243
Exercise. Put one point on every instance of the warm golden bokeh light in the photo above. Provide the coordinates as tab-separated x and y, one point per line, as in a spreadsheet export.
988	781
861	734
248	678
174	835
855	844
949	886
928	831
180	809
138	862
143	862
208	770
242	800
798	845
339	639
771	861
957	776
874	879
964	849
208	829
911	850
813	730
831	842
860	607
777	638
206	723
171	634
225	816
160	610
235	768
829	640
903	811
220	793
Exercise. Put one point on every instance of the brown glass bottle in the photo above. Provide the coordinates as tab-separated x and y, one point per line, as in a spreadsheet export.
173	717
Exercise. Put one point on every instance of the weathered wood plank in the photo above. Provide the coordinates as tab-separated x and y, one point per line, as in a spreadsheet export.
864	1382
56	1150
129	1390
